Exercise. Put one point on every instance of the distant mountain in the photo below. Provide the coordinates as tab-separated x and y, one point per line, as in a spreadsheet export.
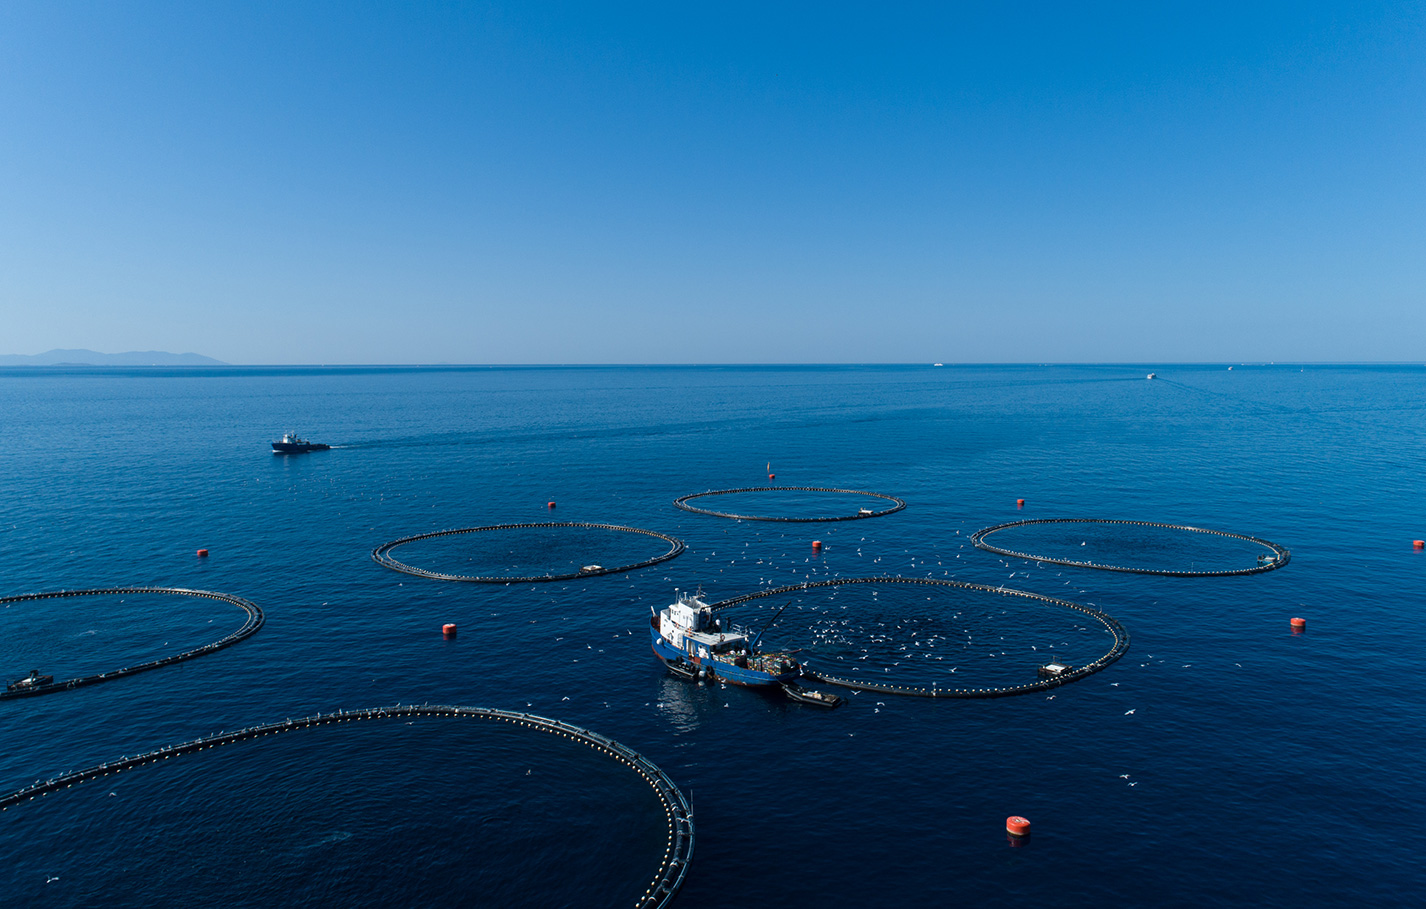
94	358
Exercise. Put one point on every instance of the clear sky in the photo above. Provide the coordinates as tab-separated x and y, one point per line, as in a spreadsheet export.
348	182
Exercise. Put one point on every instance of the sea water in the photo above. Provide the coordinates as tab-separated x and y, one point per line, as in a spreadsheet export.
1223	760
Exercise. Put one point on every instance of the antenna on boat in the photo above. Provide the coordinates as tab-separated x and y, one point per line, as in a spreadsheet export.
759	637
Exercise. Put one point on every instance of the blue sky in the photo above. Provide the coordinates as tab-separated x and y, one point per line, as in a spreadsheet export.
528	183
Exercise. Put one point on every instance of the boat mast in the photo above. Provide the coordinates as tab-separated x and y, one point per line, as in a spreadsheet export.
754	644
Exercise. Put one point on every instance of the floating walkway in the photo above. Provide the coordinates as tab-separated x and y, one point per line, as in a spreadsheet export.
382	554
250	626
1280	555
896	504
663	885
1119	648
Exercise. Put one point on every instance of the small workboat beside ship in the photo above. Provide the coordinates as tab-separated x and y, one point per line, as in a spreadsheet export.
812	696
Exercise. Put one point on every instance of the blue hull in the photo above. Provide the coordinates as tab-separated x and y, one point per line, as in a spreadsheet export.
724	671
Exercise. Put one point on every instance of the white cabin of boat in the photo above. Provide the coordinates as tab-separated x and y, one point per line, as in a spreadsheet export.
688	625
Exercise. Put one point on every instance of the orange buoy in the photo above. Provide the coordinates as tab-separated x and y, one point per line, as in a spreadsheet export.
448	630
1299	624
1017	826
1019	503
772	476
552	504
817	544
1418	544
203	553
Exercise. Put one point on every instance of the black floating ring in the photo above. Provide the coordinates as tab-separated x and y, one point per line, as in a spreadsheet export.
250	626
381	554
1281	555
1121	640
662	887
896	504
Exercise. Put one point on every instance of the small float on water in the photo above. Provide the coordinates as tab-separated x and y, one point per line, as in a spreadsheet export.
693	644
33	680
291	444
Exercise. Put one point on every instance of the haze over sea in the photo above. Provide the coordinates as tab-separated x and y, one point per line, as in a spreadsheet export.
1223	761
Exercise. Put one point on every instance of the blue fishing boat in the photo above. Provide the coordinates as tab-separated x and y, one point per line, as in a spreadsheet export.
693	643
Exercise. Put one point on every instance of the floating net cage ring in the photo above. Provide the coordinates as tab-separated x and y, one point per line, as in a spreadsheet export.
250	626
896	504
663	885
382	554
1119	648
1281	555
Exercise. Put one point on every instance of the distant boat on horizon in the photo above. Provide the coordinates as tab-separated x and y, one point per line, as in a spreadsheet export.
291	444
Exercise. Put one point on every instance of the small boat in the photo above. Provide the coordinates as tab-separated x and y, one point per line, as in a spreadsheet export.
683	670
33	680
687	638
1053	670
1153	375
290	444
812	696
591	569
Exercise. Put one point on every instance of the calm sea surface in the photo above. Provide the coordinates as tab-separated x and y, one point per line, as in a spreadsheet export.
1223	761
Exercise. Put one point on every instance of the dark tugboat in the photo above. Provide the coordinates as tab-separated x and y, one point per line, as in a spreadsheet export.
33	680
290	444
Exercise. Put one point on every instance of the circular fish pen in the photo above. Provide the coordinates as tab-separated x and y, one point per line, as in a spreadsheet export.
252	622
895	506
1049	675
1272	557
418	823
382	554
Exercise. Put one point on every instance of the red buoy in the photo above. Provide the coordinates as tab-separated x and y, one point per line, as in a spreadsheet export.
772	476
1299	625
448	630
1017	826
817	545
552	504
1418	544
203	553
1019	503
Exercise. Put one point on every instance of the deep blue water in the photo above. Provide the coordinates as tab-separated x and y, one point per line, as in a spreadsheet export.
1266	768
